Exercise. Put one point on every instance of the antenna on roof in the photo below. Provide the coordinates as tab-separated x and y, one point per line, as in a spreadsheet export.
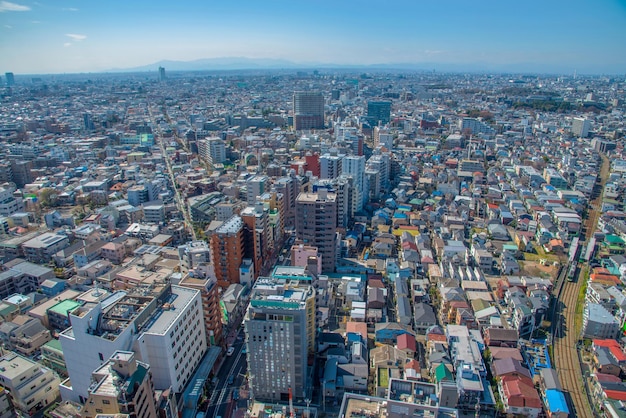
96	293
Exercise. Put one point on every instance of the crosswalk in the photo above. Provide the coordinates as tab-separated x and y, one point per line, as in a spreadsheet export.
219	397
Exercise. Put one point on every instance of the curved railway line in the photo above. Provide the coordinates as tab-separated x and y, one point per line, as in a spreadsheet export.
565	334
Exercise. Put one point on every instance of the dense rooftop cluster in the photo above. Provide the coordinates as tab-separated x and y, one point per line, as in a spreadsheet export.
393	243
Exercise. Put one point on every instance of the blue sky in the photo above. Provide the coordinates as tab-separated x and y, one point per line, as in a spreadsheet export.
56	36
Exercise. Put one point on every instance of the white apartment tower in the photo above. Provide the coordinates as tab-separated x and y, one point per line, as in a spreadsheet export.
581	127
212	150
330	166
163	324
354	166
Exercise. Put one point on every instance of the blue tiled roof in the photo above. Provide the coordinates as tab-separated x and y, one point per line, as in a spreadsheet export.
556	401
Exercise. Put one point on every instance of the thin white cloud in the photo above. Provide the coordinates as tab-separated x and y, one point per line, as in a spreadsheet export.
76	37
67	44
7	6
8	26
35	22
69	9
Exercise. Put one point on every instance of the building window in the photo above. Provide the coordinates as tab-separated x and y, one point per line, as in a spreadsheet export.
101	356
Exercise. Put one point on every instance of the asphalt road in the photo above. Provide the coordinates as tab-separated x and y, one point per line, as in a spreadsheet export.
221	403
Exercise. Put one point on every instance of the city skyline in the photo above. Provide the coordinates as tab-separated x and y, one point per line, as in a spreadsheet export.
41	37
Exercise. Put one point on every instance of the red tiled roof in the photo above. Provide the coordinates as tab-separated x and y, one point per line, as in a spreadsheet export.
614	348
357	328
406	342
520	392
604	377
615	394
437	337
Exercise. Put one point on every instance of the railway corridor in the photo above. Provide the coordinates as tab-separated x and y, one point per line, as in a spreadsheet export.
566	335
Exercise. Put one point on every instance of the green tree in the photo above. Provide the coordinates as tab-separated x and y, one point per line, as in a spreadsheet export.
48	197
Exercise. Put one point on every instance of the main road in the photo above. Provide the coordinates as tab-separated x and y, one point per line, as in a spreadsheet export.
230	378
565	333
181	204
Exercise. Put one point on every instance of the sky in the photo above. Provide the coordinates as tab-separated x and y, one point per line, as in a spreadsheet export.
73	36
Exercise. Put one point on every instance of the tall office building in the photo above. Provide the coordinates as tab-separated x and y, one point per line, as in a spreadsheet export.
280	336
379	112
123	385
581	127
161	74
10	79
88	123
316	224
308	110
227	250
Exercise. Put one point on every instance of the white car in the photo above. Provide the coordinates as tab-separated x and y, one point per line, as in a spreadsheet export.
230	351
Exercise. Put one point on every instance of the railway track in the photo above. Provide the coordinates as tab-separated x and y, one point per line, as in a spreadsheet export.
565	334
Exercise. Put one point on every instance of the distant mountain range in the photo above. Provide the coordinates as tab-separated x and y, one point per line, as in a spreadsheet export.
243	63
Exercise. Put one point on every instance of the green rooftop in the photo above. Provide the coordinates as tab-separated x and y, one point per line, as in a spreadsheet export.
614	240
64	307
54	345
442	373
383	377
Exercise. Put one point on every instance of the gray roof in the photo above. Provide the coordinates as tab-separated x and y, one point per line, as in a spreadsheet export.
424	313
508	365
550	378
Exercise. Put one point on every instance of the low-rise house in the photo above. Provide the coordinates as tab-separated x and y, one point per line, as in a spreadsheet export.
500	337
519	396
424	317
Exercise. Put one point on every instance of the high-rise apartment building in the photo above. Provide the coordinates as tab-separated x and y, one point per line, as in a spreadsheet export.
330	166
289	188
275	204
256	186
308	110
227	250
354	166
280	336
581	127
379	112
316	224
123	385
195	259
383	137
475	126
256	232
212	150
161	74
163	324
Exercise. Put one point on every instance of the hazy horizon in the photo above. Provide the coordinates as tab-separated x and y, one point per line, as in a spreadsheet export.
70	36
